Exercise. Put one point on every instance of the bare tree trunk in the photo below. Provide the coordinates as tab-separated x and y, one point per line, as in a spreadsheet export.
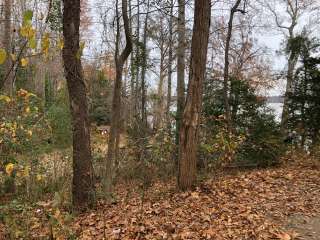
170	60
82	185
7	82
113	145
226	67
143	70
180	66
292	62
192	113
158	120
133	103
137	62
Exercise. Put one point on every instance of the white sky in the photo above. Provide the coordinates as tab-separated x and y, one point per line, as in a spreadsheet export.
271	39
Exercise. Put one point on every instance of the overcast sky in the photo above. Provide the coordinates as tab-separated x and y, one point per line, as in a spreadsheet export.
271	39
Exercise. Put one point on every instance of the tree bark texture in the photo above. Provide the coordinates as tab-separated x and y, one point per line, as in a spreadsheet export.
180	65
82	184
189	130
113	145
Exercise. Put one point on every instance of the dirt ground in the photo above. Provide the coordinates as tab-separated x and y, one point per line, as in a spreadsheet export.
306	227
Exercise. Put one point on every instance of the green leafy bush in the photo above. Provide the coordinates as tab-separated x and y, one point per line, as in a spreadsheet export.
256	140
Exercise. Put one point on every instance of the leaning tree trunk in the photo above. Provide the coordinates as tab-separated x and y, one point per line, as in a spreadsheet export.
82	185
192	113
113	145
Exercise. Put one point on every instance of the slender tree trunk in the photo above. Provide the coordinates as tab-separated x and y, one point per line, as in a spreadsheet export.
144	68
180	67
113	145
170	60
192	113
137	62
158	120
82	185
226	67
7	82
133	103
292	62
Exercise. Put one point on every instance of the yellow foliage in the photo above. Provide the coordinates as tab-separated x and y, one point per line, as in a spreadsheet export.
39	177
29	133
13	57
28	32
5	98
45	44
9	168
3	55
24	62
26	172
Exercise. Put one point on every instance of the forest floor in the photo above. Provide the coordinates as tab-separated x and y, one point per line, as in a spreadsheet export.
278	203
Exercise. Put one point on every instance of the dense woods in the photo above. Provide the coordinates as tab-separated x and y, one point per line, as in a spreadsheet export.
131	119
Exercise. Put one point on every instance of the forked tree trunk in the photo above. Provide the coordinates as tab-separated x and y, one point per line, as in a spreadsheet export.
113	145
192	113
82	184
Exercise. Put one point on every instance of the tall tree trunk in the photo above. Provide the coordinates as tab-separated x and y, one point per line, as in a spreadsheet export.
133	102
113	145
292	62
285	112
82	185
158	120
137	62
192	113
144	69
7	82
226	67
180	66
170	60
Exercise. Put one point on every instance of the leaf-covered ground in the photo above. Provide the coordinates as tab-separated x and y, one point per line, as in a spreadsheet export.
280	203
253	205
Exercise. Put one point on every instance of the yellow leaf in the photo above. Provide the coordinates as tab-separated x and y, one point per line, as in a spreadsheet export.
5	98
29	94
33	43
45	43
3	55
29	133
9	168
24	62
27	110
13	57
39	177
27	31
26	172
